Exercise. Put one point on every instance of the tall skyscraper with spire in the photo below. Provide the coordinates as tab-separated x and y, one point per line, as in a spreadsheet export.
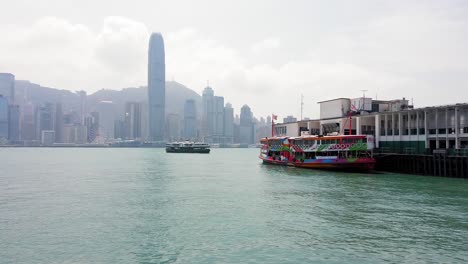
156	87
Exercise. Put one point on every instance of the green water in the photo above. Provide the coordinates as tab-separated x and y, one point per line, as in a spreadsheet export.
146	206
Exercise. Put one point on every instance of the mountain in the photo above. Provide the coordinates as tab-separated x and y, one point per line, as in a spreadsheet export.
176	95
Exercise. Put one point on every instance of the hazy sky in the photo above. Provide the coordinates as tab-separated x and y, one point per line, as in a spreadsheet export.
263	53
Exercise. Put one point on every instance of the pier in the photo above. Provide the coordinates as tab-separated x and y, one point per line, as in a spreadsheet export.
438	164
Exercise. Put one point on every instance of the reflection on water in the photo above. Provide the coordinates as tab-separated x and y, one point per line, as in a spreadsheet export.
142	205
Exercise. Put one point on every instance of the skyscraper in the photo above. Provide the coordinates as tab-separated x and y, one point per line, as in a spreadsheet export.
7	86
190	119
13	123
59	123
44	120
106	110
3	118
228	127
132	120
246	126
156	87
208	118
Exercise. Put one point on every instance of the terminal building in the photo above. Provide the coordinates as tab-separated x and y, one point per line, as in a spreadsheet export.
397	126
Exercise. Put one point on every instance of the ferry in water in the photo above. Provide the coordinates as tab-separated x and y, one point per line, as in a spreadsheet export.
187	147
341	152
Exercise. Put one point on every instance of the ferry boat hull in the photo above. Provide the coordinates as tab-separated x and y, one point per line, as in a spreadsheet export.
364	164
186	150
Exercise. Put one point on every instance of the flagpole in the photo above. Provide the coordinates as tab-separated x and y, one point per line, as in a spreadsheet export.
272	126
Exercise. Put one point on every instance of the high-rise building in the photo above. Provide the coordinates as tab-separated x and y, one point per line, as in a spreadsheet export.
219	118
173	127
59	123
3	118
82	95
190	120
7	87
119	129
92	126
228	127
132	120
246	126
45	120
28	122
13	123
289	119
156	87
208	116
106	110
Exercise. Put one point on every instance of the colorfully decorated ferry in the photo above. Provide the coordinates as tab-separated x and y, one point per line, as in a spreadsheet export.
341	152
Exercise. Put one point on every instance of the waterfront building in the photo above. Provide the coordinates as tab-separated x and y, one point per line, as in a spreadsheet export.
208	116
228	126
173	127
246	126
119	129
132	120
156	87
7	87
47	137
190	120
59	125
3	118
92	126
106	110
28	122
397	126
44	119
13	123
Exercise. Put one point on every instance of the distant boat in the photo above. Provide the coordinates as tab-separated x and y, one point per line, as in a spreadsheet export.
320	152
187	147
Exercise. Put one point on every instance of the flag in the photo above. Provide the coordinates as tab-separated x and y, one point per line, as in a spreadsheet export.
274	117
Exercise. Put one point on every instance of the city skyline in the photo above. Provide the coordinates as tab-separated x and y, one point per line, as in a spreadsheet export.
326	50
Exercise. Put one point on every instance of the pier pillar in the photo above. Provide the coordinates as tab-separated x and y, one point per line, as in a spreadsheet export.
437	128
457	146
377	130
426	131
358	125
446	129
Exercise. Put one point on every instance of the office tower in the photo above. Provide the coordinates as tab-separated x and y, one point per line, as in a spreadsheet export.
119	129
83	97
3	118
7	87
106	110
218	112
173	127
190	119
246	132
47	137
28	122
45	120
289	119
92	126
59	123
132	120
228	126
156	87
207	112
13	123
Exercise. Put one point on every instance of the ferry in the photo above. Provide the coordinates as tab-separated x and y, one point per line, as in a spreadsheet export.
187	147
340	152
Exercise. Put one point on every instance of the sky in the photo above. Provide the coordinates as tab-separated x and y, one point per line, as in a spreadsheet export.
263	53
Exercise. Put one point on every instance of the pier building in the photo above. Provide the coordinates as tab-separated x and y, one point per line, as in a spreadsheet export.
397	126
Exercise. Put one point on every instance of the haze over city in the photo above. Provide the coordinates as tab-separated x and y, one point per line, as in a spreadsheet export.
263	53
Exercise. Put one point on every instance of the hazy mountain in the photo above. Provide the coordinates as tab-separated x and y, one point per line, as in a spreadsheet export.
176	94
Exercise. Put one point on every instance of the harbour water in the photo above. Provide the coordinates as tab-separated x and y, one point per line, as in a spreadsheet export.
145	206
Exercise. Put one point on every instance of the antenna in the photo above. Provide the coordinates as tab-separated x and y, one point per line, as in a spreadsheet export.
302	104
361	107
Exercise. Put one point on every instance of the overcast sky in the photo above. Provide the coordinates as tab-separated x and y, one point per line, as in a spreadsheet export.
262	53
